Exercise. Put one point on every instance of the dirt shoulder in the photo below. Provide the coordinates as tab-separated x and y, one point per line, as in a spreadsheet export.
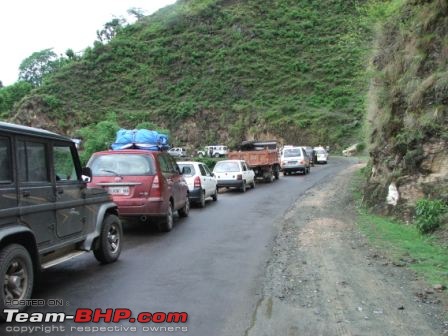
324	278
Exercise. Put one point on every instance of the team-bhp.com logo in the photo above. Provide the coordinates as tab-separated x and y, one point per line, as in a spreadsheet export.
109	315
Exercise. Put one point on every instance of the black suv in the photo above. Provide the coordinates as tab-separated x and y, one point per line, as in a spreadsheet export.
47	214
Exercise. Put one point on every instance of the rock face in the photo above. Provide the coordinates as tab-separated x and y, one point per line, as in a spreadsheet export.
408	109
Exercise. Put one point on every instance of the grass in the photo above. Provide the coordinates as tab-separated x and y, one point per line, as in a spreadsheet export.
398	240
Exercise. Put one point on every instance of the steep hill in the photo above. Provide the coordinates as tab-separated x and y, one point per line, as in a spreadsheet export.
221	71
408	111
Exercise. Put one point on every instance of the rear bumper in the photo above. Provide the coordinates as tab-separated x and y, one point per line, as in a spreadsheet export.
230	183
151	207
194	194
294	168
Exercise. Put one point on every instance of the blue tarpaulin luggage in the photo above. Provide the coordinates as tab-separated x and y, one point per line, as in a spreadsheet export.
140	139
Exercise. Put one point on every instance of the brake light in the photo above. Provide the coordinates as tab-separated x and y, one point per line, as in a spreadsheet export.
155	188
197	182
239	177
302	162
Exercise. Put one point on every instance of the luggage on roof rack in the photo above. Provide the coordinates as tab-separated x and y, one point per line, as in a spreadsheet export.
140	139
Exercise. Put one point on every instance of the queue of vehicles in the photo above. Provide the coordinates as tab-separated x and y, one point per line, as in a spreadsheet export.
52	209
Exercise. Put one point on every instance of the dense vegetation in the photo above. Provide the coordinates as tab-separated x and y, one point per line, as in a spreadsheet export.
224	71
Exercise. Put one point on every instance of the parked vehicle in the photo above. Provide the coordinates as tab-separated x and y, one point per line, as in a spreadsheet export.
177	152
47	213
322	155
295	159
234	174
147	185
213	151
201	182
261	157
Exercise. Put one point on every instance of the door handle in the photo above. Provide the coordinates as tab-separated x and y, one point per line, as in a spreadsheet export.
26	193
60	191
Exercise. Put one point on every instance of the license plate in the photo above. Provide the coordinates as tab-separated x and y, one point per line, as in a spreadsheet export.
292	162
118	190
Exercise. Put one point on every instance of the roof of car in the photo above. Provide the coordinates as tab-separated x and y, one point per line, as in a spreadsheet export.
32	131
128	151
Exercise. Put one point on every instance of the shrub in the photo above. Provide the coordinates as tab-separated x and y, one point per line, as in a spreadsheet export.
428	214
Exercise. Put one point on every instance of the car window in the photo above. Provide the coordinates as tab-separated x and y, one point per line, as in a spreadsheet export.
292	152
223	167
187	169
209	173
243	166
122	164
321	151
5	161
32	162
64	166
173	165
203	172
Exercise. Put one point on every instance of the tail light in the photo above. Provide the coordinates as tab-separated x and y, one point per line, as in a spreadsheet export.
155	188
197	182
302	162
239	177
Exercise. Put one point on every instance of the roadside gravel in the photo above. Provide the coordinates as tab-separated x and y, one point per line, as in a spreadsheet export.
324	278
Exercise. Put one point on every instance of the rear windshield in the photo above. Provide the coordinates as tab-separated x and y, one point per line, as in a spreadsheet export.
321	151
292	152
224	167
189	169
121	164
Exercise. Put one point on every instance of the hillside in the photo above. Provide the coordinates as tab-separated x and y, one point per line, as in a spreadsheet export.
408	110
221	71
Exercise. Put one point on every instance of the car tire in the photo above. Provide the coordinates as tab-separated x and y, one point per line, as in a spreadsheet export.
108	244
285	173
185	210
166	223
276	173
216	155
243	187
15	263
201	202
253	184
215	195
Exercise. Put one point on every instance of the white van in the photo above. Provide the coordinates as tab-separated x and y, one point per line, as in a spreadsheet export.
294	159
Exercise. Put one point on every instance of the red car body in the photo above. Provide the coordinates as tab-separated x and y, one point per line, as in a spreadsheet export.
144	184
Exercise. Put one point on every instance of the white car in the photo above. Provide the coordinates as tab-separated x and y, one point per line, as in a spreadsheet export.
177	152
322	155
234	173
201	182
213	151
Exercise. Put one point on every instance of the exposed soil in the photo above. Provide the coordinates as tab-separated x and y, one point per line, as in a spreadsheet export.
325	279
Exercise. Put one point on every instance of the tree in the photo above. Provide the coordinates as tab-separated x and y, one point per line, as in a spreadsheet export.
138	13
12	94
110	29
34	68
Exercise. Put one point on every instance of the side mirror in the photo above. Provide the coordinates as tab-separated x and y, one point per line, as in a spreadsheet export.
86	174
212	174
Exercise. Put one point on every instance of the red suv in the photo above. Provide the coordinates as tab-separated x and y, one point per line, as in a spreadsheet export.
144	184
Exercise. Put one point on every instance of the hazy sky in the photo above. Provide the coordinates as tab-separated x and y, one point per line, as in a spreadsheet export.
27	26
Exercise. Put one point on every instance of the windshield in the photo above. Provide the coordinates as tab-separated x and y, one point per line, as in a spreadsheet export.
224	167
121	164
292	152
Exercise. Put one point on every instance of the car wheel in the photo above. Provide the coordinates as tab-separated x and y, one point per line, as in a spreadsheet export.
201	155
202	199
185	210
253	184
216	155
17	274
215	195
108	245
276	173
166	223
285	173
243	187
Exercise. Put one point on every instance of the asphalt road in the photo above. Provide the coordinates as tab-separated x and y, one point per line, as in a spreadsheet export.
211	265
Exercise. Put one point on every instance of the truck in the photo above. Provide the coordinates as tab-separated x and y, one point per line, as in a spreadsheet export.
261	157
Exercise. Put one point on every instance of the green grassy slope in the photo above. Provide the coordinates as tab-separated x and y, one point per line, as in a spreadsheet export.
229	70
408	115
